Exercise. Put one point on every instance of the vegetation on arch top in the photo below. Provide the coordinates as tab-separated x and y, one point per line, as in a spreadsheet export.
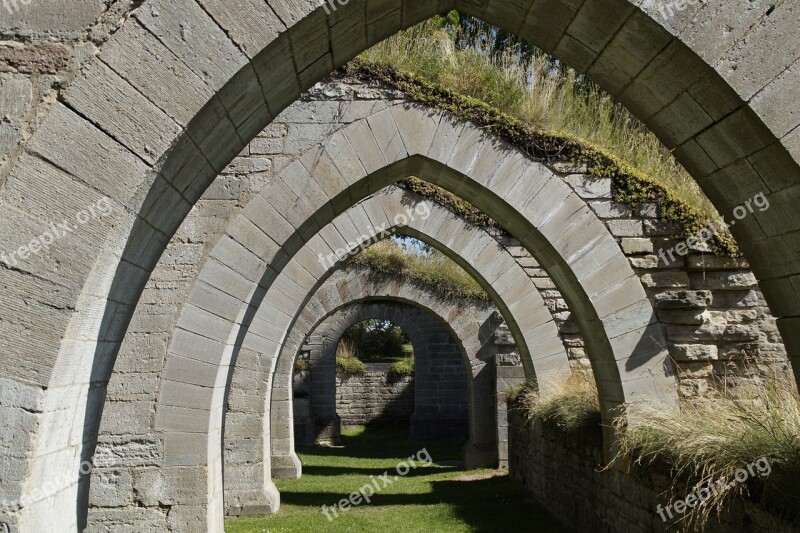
428	267
494	76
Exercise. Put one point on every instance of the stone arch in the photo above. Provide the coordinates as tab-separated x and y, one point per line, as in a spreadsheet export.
439	229
289	290
472	325
672	72
419	323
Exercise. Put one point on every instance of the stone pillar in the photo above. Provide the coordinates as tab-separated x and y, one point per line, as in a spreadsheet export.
480	451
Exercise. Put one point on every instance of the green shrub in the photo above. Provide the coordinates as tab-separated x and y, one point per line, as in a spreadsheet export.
300	365
351	365
403	368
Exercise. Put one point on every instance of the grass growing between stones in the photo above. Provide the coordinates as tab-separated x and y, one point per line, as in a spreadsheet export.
437	498
570	406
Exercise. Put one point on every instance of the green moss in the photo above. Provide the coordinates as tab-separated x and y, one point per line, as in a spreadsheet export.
300	365
457	205
630	186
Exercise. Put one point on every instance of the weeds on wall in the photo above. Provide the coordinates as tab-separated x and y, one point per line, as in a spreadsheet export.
434	271
346	360
403	368
570	405
544	112
707	440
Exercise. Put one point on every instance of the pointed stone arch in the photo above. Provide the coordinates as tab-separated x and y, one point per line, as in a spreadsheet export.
161	148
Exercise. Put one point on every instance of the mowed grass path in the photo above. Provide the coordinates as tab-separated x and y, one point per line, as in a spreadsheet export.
432	499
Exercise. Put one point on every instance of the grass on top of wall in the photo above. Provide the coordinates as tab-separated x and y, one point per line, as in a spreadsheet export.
571	405
403	368
705	440
346	359
541	111
434	271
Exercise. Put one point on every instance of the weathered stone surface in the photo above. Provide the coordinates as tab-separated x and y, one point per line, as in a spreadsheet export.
635	246
665	280
682	299
693	352
208	220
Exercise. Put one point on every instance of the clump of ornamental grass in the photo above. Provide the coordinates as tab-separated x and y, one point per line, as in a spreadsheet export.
513	392
710	439
570	405
346	360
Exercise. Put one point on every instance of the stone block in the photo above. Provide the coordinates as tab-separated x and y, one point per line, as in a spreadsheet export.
144	61
708	262
735	281
625	228
634	246
669	279
682	299
111	488
693	352
682	316
590	187
169	486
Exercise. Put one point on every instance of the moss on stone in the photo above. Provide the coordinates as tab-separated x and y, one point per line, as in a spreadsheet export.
629	185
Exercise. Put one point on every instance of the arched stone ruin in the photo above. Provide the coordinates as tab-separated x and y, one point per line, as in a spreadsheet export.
148	120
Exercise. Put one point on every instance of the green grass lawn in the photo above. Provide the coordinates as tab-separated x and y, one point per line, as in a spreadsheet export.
437	498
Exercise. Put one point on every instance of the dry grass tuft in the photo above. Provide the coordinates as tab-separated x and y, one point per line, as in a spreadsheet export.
710	439
570	405
545	98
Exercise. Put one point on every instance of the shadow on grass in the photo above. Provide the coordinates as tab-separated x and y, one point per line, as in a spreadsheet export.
439	497
495	504
312	470
385	442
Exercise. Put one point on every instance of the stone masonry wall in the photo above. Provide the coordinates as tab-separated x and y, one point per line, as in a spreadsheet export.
376	396
715	319
565	474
